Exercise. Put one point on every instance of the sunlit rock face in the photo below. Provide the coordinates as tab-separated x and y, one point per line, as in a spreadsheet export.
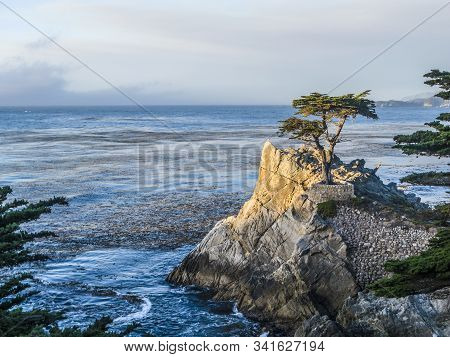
282	262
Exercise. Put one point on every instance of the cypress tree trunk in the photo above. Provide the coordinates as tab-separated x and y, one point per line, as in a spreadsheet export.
326	167
326	173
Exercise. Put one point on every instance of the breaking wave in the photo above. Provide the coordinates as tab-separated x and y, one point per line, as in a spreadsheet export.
138	315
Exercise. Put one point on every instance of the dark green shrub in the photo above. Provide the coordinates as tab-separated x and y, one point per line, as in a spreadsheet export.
431	178
327	209
422	273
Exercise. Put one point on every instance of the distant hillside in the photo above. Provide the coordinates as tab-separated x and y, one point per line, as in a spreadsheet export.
416	102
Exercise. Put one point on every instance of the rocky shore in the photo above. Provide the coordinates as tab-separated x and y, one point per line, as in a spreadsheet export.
304	274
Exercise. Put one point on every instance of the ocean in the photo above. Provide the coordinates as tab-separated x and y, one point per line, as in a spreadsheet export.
144	188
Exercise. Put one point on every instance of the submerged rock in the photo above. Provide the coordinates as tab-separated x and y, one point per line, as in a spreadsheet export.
282	262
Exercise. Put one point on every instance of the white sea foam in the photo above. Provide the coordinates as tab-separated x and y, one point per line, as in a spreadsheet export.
145	308
236	311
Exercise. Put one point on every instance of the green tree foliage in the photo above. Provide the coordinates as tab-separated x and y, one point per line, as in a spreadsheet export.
440	79
427	271
12	239
430	142
319	121
422	273
15	290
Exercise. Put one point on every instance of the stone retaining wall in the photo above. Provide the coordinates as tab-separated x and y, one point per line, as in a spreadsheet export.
321	193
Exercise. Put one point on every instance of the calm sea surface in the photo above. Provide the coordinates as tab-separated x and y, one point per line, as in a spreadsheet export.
143	189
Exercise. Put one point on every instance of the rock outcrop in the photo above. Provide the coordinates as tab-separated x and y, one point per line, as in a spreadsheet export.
422	315
415	315
283	263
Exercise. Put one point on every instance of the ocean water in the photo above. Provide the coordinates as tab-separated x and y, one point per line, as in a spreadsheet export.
144	189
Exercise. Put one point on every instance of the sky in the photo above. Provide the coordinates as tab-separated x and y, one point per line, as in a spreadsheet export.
216	52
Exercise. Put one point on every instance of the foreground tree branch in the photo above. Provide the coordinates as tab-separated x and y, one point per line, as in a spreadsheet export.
15	290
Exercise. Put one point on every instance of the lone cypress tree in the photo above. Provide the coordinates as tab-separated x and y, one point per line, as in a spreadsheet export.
320	120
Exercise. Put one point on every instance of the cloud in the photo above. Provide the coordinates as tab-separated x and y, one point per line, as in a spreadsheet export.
36	83
41	43
39	83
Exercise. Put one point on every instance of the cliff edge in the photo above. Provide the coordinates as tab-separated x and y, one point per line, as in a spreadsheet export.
299	272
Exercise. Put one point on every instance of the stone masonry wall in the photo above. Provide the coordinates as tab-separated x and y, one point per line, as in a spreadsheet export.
372	240
321	193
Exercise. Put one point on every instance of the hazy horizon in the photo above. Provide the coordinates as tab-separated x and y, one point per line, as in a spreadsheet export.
165	105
